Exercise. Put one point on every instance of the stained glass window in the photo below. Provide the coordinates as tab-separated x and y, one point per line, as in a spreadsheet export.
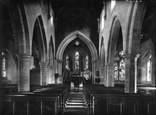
67	62
149	69
3	65
86	62
116	72
76	60
119	70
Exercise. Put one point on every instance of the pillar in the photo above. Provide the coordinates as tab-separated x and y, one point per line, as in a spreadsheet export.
24	73
49	74
130	80
102	74
136	71
93	72
110	74
44	73
50	79
95	67
59	64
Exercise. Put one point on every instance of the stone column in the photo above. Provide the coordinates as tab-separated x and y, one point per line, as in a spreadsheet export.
130	80
105	75
94	69
44	73
136	71
24	73
102	73
110	74
59	69
50	74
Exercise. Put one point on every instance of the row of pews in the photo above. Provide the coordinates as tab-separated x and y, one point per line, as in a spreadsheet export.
113	101
43	100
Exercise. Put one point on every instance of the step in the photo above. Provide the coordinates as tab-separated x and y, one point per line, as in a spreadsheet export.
75	109
75	106
76	101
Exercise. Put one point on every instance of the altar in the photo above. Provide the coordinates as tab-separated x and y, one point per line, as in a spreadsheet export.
77	80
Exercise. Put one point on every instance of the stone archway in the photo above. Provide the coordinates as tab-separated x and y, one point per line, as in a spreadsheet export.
112	46
87	41
39	53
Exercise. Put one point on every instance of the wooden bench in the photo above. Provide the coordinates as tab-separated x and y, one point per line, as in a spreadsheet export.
103	102
123	104
42	102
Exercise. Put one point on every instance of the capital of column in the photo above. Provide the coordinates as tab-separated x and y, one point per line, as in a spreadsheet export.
133	55
26	56
59	60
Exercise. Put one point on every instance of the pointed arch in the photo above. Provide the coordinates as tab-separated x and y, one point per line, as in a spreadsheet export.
43	35
87	41
51	51
71	37
39	37
113	39
25	26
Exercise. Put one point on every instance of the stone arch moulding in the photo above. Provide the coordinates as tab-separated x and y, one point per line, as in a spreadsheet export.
25	27
17	27
134	31
67	40
38	26
51	52
42	29
112	45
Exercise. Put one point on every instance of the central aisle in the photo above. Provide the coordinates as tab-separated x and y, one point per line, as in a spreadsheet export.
76	103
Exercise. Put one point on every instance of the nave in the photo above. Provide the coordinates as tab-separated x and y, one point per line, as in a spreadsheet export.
78	100
109	43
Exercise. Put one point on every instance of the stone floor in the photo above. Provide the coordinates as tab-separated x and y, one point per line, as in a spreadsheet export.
76	103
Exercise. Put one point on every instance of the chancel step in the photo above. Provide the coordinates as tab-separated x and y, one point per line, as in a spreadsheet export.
76	103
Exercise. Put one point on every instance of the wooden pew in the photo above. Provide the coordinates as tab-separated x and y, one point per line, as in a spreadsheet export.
123	104
30	105
102	101
42	102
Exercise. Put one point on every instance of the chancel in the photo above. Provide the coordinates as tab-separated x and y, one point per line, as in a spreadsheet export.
77	57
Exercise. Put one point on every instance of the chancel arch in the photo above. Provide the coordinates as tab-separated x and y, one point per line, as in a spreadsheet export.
89	44
77	61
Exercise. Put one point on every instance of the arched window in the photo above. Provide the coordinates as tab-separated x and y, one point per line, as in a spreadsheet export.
149	69
76	60
119	70
122	70
116	72
67	62
3	65
86	62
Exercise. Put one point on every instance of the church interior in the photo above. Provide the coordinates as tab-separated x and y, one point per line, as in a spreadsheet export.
77	57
